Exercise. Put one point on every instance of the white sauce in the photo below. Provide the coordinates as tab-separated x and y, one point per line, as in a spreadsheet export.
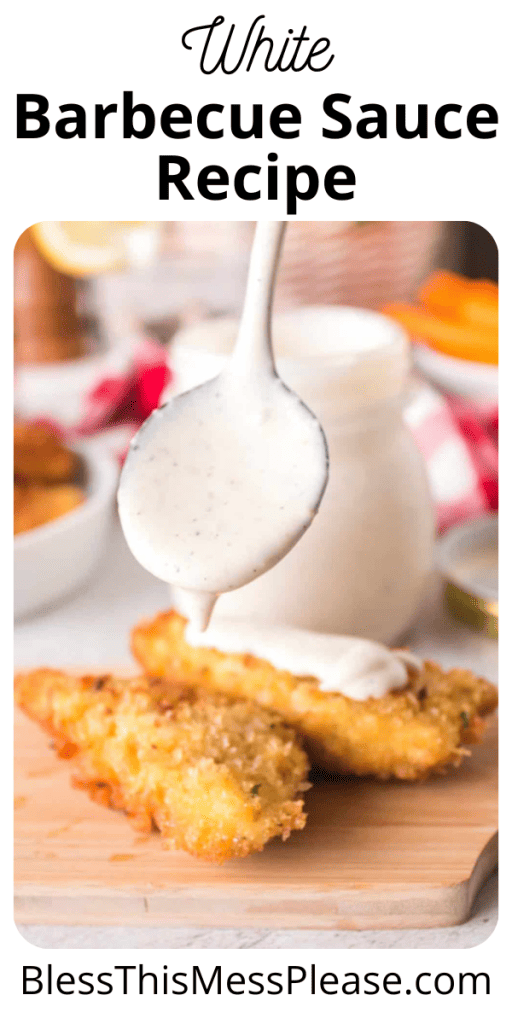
357	668
220	484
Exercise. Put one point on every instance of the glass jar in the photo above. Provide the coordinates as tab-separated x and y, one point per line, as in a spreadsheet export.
362	567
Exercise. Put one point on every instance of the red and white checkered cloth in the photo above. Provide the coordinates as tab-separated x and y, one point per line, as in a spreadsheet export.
458	440
120	400
127	397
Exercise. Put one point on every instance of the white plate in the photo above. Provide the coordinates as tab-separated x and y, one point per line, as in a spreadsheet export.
53	560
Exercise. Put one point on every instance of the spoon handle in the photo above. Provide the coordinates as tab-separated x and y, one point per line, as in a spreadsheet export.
253	347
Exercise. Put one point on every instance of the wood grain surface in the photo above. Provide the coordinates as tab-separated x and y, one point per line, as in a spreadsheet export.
372	855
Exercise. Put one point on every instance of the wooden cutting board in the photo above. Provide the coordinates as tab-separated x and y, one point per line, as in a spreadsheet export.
372	855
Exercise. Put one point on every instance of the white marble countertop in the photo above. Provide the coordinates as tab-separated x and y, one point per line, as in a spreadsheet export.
92	628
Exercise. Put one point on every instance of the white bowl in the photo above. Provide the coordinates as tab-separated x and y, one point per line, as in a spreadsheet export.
477	381
53	560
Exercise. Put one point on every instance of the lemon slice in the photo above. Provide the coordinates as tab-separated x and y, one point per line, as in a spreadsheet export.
84	248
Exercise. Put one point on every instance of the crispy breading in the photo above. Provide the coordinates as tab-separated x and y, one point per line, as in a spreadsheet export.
408	734
40	456
218	776
35	504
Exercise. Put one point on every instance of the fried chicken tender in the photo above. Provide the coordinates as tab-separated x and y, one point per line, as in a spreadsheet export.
218	776
35	504
39	456
408	734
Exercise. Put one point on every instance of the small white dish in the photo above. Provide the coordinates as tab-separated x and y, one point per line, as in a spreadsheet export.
58	391
477	381
53	560
467	555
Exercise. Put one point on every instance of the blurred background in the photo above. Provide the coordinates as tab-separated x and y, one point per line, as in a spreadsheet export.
160	276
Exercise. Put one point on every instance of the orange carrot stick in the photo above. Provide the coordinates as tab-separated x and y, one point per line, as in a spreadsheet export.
443	290
453	338
460	298
480	308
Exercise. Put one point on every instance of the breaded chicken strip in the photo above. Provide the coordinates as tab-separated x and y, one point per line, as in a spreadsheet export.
40	456
408	734
218	776
35	504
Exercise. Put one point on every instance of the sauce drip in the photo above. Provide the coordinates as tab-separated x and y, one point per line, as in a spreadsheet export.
357	668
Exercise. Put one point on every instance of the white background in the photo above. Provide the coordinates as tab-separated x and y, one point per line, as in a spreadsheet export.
397	52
